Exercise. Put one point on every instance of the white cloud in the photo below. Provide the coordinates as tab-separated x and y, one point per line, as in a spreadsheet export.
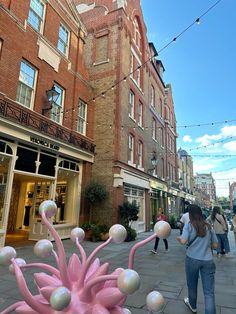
205	164
222	180
225	132
230	146
187	139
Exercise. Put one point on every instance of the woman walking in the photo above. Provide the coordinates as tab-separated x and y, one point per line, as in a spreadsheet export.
221	229
161	216
200	238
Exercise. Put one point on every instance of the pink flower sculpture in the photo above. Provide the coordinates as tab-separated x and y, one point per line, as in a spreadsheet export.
83	286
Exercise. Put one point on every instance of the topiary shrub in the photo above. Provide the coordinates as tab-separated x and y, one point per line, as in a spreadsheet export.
128	214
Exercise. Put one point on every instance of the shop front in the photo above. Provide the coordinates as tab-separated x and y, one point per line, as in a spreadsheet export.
157	199
34	168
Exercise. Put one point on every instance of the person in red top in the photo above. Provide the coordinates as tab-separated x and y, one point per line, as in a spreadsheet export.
161	216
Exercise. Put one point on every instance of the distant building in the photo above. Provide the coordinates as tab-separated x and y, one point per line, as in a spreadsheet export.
232	196
206	183
185	178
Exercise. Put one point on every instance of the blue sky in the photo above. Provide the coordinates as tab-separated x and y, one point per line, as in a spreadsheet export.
201	67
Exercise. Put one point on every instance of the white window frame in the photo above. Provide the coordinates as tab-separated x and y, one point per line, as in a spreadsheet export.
140	114
131	149
41	18
131	104
154	129
140	154
65	44
23	84
132	65
82	117
153	96
57	107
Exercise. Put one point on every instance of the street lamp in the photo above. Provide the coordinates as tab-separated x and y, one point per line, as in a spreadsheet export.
154	160
52	96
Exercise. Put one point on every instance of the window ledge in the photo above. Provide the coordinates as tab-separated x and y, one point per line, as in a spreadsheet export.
131	164
132	118
140	168
101	62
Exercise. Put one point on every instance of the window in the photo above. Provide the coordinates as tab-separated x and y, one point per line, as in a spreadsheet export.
82	115
101	49
154	129
131	104
152	96
131	149
140	154
162	138
161	108
63	40
132	65
36	14
137	36
162	168
56	111
26	84
138	76
140	114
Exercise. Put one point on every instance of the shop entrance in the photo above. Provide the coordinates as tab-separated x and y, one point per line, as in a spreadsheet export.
24	221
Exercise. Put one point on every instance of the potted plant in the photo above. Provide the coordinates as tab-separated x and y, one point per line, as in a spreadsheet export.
104	232
87	227
94	193
128	214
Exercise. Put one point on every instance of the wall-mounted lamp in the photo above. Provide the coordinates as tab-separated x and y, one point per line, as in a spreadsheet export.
52	96
154	162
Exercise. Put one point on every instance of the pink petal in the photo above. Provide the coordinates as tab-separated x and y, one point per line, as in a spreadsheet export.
99	309
113	283
93	267
46	292
74	267
41	299
44	280
25	309
109	297
117	310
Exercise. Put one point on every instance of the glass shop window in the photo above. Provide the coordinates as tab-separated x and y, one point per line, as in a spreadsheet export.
26	160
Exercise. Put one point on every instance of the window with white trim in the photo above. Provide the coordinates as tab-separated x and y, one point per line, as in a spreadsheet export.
154	129
57	107
63	40
140	154
131	104
36	14
132	65
82	116
152	96
140	114
26	84
131	148
136	195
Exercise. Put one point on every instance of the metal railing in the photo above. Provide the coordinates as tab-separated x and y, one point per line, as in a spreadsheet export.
23	116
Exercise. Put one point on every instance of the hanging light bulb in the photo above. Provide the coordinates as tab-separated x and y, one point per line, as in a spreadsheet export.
198	21
93	99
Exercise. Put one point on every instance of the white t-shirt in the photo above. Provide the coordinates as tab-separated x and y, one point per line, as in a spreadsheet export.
185	218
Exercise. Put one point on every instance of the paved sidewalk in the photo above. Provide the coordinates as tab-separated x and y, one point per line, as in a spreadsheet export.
163	272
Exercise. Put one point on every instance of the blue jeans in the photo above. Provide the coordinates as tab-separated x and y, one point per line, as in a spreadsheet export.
207	271
223	243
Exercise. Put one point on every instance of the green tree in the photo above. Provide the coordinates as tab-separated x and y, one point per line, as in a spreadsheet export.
95	193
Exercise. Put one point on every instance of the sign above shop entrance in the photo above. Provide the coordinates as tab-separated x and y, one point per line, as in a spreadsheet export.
44	143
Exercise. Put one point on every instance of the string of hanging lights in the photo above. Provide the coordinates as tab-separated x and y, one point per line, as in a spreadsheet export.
103	93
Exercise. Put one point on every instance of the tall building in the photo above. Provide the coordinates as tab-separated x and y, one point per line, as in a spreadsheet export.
135	127
186	178
46	146
206	183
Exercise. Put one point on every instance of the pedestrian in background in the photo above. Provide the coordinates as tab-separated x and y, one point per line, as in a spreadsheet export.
234	227
201	238
161	216
184	218
220	226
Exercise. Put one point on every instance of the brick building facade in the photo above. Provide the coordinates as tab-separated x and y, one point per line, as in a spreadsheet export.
134	113
46	146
